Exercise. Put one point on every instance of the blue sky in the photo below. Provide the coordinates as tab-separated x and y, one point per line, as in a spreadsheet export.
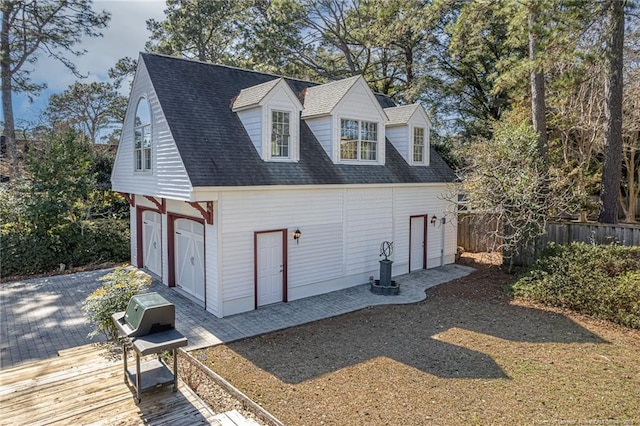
126	35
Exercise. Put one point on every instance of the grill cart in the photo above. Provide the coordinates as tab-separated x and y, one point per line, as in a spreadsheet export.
148	327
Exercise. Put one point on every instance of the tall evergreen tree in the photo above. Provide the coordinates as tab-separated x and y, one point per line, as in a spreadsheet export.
198	29
612	166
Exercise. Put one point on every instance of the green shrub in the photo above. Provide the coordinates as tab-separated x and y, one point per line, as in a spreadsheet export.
119	287
105	240
602	281
25	252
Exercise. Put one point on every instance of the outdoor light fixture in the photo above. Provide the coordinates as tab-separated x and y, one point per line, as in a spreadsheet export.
434	220
296	235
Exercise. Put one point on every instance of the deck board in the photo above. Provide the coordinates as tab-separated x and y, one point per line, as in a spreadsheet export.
85	385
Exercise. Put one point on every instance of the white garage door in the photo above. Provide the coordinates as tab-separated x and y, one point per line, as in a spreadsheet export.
189	257
152	253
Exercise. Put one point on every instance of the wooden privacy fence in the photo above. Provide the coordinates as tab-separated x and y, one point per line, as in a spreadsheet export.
594	233
474	235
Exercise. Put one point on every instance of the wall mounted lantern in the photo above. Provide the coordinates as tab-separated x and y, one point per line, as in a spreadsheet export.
296	235
434	220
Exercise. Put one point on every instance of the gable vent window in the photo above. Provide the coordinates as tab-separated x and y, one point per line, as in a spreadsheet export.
418	145
142	136
280	135
358	140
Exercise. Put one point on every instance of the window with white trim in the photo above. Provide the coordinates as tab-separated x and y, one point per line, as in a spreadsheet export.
418	145
142	137
358	140
280	134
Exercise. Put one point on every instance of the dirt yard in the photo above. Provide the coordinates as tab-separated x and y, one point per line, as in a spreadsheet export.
466	355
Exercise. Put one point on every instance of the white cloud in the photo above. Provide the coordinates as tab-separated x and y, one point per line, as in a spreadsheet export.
126	36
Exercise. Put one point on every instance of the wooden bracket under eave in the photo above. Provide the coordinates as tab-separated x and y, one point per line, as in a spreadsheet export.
130	199
161	205
206	214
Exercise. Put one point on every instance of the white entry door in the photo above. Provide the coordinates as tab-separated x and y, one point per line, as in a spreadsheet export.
189	257
417	249
270	270
152	253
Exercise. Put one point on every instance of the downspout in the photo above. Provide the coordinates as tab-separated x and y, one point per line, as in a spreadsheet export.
443	222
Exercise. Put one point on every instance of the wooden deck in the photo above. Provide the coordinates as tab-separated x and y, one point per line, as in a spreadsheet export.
85	385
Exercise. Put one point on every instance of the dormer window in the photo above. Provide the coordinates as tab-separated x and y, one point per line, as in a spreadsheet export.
418	145
270	114
142	137
347	120
408	131
280	134
358	140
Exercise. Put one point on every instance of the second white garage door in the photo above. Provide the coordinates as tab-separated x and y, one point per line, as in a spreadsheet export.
189	257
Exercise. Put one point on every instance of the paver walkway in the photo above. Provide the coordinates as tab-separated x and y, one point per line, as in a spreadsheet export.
41	316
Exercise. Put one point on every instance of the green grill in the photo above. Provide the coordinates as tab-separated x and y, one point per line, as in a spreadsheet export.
146	314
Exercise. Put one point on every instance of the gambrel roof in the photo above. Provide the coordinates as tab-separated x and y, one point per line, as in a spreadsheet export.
216	150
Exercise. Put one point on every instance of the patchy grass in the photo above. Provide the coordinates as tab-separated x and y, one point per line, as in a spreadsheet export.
466	355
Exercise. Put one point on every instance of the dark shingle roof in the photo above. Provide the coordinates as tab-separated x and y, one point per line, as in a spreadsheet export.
216	150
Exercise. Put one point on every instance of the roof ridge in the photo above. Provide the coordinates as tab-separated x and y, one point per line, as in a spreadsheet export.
162	55
315	83
414	105
342	80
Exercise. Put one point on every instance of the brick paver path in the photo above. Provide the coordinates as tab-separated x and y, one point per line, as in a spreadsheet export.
39	317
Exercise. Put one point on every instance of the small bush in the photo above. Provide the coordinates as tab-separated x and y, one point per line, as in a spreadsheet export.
602	281
119	287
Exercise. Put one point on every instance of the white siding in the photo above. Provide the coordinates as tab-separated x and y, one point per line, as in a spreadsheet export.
252	121
317	213
342	230
316	258
322	129
168	177
361	104
211	267
399	137
368	223
415	201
